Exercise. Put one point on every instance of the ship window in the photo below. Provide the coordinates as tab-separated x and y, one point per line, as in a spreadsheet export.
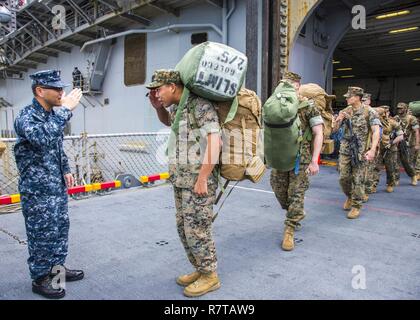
197	38
135	59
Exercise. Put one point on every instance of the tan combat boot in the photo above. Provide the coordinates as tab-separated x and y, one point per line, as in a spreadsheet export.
204	284
187	279
414	181
347	204
354	213
374	190
288	243
390	189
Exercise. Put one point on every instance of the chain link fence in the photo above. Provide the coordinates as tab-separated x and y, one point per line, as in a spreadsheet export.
98	158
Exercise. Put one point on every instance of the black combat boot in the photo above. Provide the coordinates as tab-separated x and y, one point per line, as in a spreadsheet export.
72	275
44	287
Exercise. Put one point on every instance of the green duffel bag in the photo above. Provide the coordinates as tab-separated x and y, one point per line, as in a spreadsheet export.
415	108
212	71
282	128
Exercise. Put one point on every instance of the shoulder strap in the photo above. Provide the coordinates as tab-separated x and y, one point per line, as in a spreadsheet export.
232	111
191	115
181	106
281	126
304	104
193	120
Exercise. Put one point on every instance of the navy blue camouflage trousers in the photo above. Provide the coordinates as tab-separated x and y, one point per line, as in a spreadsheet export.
47	228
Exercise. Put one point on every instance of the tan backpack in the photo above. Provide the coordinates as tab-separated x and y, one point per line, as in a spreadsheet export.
323	103
242	150
2	147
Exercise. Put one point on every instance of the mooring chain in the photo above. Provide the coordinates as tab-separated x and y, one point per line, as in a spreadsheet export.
15	237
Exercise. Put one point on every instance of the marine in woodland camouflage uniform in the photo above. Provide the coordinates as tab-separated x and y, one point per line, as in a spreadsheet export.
370	166
388	154
417	164
290	187
194	212
352	178
410	127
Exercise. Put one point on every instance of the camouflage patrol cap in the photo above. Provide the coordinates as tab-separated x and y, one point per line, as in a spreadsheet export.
402	105
366	96
387	108
164	76
47	78
354	91
288	75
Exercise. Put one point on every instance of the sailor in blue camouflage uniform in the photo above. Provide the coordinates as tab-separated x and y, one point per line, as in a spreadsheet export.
44	178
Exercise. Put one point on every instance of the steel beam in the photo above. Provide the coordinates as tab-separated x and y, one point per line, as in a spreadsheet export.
109	4
99	21
164	8
46	53
26	64
73	42
37	60
136	18
80	11
59	49
41	24
217	3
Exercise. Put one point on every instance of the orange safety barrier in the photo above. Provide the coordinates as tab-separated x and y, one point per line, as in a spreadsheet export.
9	199
161	176
94	187
15	198
328	163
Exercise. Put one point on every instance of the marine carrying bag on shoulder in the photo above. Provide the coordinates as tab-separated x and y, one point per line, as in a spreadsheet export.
281	128
323	104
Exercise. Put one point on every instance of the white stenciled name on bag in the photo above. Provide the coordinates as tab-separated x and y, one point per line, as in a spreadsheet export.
221	70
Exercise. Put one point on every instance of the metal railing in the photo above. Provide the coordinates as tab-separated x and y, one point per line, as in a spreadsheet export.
98	158
82	82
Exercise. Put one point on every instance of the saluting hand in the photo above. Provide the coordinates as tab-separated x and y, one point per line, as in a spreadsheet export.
71	100
154	100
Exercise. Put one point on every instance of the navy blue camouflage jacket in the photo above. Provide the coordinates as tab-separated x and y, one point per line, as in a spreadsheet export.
39	152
